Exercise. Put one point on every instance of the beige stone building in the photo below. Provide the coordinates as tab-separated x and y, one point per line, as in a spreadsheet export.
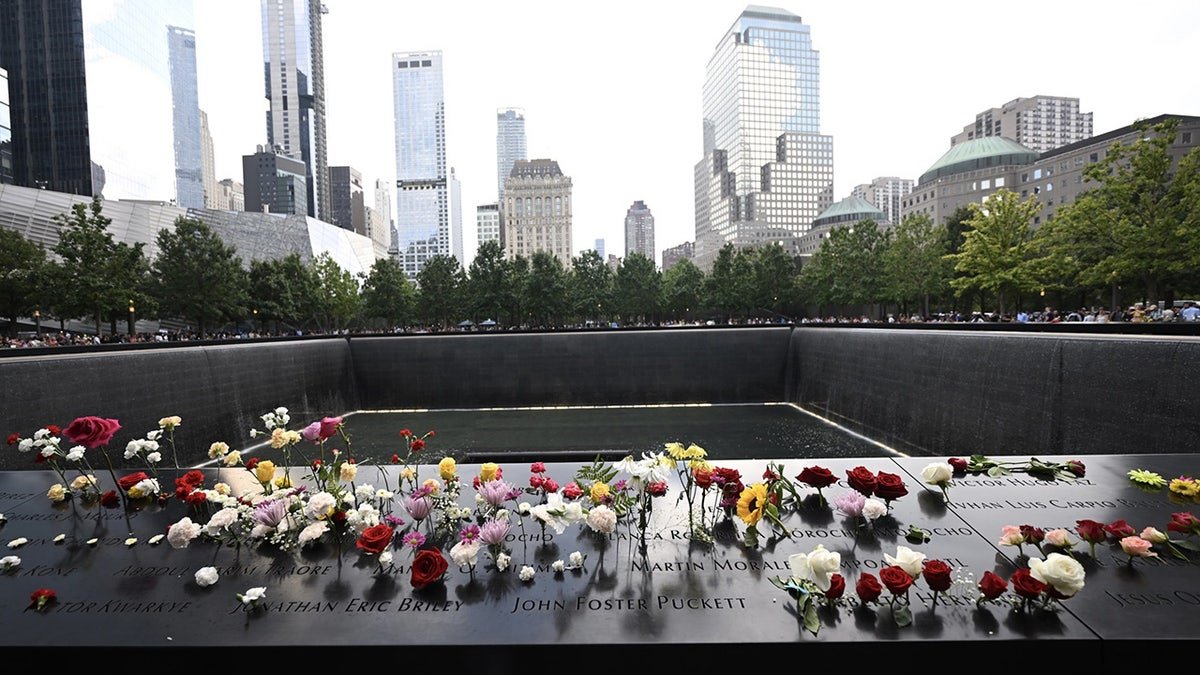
537	210
1040	123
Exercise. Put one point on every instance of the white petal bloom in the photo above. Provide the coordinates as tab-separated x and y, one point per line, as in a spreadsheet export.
75	454
131	541
558	566
233	459
873	509
181	533
206	576
937	473
154	457
576	559
9	561
153	541
60	538
313	532
465	554
526	573
1062	572
908	560
503	561
84	482
253	595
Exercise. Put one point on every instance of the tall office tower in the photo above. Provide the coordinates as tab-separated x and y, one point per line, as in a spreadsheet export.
294	67
188	127
598	247
423	196
208	164
1040	123
231	196
6	167
767	171
383	206
346	205
639	230
487	223
510	143
378	229
456	225
275	183
537	210
886	194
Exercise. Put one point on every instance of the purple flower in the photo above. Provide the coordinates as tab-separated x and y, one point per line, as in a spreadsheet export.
269	513
495	492
312	432
422	491
414	539
850	503
619	485
395	521
418	507
469	533
493	532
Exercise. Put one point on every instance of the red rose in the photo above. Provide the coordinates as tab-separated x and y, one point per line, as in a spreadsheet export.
535	481
889	486
417	445
1076	467
110	499
1120	529
14	438
958	464
375	539
657	489
817	477
537	467
42	597
703	477
92	432
1025	585
868	588
837	586
937	575
862	479
428	566
126	482
1033	535
571	491
1090	531
1183	522
549	485
251	463
896	579
992	585
338	517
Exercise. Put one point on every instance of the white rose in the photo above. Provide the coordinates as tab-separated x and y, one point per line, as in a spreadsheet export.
908	560
1150	534
182	533
75	454
206	576
602	519
938	473
873	509
526	573
1062	572
817	566
502	561
465	554
576	559
9	561
253	594
558	566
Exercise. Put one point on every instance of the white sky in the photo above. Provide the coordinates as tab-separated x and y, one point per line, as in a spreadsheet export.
611	90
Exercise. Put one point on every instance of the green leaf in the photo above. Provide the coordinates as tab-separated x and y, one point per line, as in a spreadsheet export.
997	471
812	624
902	615
1187	544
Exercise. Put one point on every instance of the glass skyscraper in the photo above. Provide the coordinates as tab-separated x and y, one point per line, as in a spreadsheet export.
294	73
185	100
510	144
424	203
6	167
767	170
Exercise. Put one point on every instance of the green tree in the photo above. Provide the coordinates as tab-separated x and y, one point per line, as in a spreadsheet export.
23	274
996	251
637	288
914	263
487	283
92	283
590	285
774	279
683	290
516	281
546	289
387	295
134	291
721	286
197	277
439	285
338	293
283	291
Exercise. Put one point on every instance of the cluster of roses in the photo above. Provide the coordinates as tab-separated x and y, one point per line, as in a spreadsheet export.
872	492
1057	577
1137	544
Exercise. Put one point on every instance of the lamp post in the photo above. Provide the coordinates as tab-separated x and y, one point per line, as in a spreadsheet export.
37	320
255	320
132	316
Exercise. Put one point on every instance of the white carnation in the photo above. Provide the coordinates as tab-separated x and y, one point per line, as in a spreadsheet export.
220	520
385	558
25	445
154	457
502	561
320	504
365	492
576	560
182	533
253	595
558	566
602	519
206	576
75	454
313	532
9	561
873	509
526	573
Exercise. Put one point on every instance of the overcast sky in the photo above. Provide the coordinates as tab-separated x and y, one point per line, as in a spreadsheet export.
611	90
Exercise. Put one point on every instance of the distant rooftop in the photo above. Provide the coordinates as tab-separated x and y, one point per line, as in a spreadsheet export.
850	209
979	153
535	167
770	13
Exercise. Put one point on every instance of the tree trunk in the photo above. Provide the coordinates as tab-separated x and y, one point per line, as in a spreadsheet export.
97	324
1114	298
1151	291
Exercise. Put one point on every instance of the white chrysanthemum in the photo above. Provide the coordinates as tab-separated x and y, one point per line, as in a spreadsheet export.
181	533
526	573
206	576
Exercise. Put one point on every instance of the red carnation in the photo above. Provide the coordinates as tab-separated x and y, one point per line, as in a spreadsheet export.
126	482
896	579
868	588
14	438
251	463
42	597
197	498
405	433
657	489
817	477
395	459
54	429
571	490
535	481
837	586
537	467
937	575
889	486
958	464
110	499
992	585
1025	585
549	485
418	445
861	479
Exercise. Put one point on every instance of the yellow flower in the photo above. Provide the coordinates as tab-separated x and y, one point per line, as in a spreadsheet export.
407	473
265	471
433	485
675	450
348	471
488	471
1146	477
750	504
599	492
233	459
699	464
222	489
217	449
696	452
283	481
1187	487
278	439
84	482
447	468
57	492
170	422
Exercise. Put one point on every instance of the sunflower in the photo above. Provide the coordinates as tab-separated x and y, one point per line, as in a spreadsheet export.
1188	487
751	503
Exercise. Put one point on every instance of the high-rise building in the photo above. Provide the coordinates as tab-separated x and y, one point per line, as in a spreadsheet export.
383	206
231	196
537	210
598	247
379	228
275	183
424	222
639	230
346	205
456	225
188	127
294	65
767	171
887	194
510	143
208	164
6	167
672	256
1040	123
487	223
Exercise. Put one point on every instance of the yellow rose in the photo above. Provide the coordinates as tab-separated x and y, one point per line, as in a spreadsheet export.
83	482
488	471
170	422
447	468
599	492
349	471
222	489
433	485
265	471
57	492
233	459
407	473
283	481
217	449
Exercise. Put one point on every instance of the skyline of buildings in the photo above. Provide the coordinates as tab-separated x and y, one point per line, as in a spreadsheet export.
274	183
1040	123
537	210
510	144
639	230
187	130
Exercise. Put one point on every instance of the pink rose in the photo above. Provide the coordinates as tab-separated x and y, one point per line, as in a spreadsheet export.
1060	538
1011	536
1136	547
312	432
92	432
329	427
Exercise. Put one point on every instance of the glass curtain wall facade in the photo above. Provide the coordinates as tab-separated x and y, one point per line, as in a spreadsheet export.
639	230
761	101
510	144
188	132
294	74
423	200
6	167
